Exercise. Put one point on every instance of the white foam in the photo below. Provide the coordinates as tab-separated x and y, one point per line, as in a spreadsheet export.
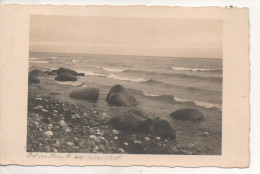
33	61
53	57
116	77
76	83
113	70
34	58
199	103
149	94
75	61
91	73
192	69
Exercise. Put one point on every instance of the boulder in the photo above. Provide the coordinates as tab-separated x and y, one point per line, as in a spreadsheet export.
88	93
188	115
49	73
136	120
66	77
130	120
33	78
159	127
120	96
66	70
37	72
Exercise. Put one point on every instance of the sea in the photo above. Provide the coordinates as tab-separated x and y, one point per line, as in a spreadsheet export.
160	84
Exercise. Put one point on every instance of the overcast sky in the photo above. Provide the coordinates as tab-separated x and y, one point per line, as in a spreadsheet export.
127	36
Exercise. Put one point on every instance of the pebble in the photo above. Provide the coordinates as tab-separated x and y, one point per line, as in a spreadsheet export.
147	139
50	126
44	110
115	138
55	111
93	137
104	114
125	143
102	148
100	133
37	119
91	130
63	123
102	138
47	149
121	150
70	144
54	150
137	142
95	149
48	133
158	138
115	132
76	139
38	98
36	123
67	130
206	133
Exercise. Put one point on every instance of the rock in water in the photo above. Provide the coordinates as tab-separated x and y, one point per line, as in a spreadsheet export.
130	120
69	71
66	77
120	96
37	72
33	78
188	115
159	127
88	93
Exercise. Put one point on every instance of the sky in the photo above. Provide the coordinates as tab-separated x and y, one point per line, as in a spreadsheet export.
171	37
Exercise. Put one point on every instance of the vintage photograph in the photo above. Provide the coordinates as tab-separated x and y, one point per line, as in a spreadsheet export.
125	85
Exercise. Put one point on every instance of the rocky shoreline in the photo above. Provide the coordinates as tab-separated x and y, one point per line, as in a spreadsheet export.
56	126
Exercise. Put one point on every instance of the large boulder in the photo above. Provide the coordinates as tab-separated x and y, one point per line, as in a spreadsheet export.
66	70
66	77
33	78
132	119
37	72
188	115
120	96
136	120
88	93
159	127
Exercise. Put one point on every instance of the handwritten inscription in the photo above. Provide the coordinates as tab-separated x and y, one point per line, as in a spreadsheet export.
93	157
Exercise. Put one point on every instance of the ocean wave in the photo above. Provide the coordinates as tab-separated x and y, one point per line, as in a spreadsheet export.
191	76
112	69
34	58
38	61
75	61
198	103
193	69
76	83
91	73
150	94
116	77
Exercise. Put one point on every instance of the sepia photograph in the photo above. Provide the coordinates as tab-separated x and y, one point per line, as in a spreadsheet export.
125	85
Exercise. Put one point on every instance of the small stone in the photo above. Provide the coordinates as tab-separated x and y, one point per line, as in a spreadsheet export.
57	142
73	117
76	139
63	123
38	108
48	133
104	114
100	133
121	150
102	148
94	112
38	98
37	119
54	115
137	142
44	110
47	149
95	149
115	132
125	143
67	130
70	144
158	138
206	133
102	138
115	138
93	137
54	150
92	131
147	139
55	111
40	129
36	123
49	126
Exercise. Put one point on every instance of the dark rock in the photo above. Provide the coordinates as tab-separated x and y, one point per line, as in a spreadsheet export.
188	115
66	70
120	96
54	71
129	120
49	73
37	72
66	77
33	78
85	94
159	127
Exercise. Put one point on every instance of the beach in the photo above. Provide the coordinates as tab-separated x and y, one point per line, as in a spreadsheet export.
160	85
